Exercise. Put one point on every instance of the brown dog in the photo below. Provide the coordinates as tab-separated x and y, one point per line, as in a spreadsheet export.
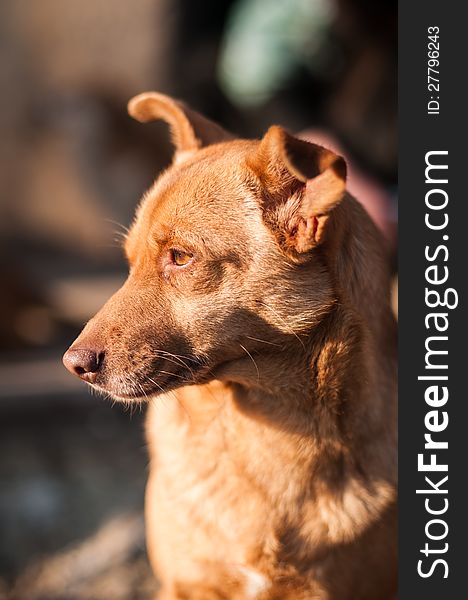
256	319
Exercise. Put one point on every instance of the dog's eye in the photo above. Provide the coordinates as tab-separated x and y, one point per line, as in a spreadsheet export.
180	258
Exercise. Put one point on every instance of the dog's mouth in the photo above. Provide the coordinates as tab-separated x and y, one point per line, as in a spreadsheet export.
138	387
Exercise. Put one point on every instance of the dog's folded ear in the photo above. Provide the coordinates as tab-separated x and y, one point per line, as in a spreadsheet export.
190	130
304	182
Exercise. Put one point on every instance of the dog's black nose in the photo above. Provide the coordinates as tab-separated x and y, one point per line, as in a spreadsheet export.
83	362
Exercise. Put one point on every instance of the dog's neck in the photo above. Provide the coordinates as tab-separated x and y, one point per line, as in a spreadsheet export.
328	385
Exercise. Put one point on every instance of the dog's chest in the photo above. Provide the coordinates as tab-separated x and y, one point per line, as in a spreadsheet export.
202	476
205	507
255	583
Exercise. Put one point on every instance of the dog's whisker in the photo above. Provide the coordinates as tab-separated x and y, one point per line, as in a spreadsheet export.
120	237
156	384
263	341
176	362
287	327
172	374
125	229
141	388
168	356
253	360
180	356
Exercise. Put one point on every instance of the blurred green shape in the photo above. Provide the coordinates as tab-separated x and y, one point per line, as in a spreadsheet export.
266	41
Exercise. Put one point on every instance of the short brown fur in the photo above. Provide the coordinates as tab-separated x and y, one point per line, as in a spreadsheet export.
269	363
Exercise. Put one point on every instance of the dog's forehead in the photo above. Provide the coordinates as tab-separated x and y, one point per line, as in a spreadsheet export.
213	187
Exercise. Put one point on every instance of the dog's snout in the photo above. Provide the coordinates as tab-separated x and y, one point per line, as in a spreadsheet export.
83	362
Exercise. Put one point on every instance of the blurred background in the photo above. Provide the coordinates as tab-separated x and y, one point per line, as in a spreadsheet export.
72	168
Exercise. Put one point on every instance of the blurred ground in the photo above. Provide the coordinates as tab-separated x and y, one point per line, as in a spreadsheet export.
72	167
73	473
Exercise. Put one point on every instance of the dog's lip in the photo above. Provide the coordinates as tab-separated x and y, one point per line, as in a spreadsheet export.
117	395
145	392
155	383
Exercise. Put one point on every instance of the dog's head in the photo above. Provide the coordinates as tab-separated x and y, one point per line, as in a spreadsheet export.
227	256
